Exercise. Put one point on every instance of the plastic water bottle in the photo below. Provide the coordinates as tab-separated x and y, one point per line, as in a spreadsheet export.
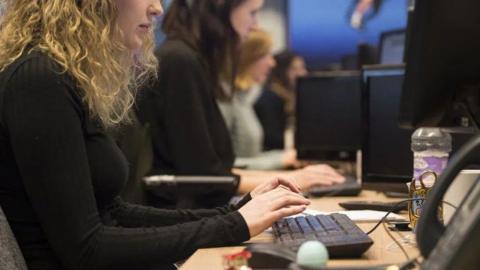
431	149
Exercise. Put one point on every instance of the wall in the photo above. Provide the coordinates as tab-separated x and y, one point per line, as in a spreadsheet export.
273	18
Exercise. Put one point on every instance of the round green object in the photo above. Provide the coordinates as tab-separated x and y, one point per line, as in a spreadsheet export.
312	254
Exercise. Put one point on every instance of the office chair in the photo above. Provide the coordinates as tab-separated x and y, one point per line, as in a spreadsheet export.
10	255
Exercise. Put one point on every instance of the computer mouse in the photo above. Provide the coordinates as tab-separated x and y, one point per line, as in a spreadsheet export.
270	256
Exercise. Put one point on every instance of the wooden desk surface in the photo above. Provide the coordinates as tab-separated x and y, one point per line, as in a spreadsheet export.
383	251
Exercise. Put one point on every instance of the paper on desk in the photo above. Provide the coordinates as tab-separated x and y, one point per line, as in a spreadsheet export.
359	215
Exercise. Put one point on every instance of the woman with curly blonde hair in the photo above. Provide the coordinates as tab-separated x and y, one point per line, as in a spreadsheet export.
68	70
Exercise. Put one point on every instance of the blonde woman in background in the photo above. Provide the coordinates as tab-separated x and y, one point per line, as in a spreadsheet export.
255	64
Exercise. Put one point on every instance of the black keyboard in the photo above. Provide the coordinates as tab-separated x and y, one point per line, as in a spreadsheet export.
341	236
350	187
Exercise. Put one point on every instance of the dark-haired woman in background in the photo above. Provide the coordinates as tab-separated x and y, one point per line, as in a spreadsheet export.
189	134
275	107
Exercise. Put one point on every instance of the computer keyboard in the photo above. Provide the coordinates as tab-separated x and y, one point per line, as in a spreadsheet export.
340	235
350	187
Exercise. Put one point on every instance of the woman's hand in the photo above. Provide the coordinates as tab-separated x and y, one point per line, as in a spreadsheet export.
273	184
266	208
289	159
315	175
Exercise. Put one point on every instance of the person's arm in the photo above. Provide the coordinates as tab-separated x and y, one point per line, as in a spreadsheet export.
305	178
47	140
188	108
131	215
186	127
270	160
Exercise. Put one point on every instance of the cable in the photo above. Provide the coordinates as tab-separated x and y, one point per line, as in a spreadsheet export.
409	264
396	241
393	208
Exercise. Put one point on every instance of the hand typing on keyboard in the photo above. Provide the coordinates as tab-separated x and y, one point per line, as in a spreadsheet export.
273	184
266	208
315	175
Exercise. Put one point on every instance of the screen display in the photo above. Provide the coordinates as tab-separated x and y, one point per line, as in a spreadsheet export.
321	30
389	155
328	114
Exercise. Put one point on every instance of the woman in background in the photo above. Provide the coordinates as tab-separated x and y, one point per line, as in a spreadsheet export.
189	134
247	134
275	107
254	66
68	70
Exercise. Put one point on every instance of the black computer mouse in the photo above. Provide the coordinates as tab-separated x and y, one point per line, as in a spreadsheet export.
270	256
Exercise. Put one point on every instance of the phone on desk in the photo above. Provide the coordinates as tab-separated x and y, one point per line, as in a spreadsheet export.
456	245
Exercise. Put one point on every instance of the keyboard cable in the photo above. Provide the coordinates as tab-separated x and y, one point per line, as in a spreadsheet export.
393	208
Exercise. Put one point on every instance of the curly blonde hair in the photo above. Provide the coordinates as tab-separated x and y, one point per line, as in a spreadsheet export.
85	40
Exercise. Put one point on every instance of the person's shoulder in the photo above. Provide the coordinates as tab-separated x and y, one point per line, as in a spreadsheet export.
36	67
177	51
38	75
268	95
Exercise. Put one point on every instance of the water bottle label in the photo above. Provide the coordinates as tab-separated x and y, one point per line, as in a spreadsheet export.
426	170
422	164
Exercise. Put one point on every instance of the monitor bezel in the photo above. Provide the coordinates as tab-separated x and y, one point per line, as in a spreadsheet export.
367	73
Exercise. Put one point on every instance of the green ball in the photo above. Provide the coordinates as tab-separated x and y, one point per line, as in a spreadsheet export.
312	254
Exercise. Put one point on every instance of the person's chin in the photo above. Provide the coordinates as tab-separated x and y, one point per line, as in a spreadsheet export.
135	45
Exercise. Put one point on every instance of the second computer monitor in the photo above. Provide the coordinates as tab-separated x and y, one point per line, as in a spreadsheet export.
392	47
328	123
386	154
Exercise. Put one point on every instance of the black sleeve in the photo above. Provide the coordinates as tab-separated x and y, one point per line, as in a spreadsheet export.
44	127
271	115
130	215
182	91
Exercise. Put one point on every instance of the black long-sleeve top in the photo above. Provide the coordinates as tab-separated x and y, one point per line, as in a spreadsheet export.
270	109
189	134
60	177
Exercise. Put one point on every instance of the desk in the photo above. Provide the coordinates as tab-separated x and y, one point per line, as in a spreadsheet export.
383	251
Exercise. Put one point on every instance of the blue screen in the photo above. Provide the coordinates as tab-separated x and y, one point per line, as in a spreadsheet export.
320	30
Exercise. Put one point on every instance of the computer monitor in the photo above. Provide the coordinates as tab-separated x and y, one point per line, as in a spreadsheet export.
392	47
387	158
442	88
386	155
443	64
328	116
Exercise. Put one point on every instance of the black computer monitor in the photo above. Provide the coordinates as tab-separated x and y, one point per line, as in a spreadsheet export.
386	155
387	158
442	88
392	47
328	116
443	64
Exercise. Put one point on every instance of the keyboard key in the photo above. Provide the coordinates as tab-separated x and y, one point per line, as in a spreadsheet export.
306	229
341	236
292	224
317	227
